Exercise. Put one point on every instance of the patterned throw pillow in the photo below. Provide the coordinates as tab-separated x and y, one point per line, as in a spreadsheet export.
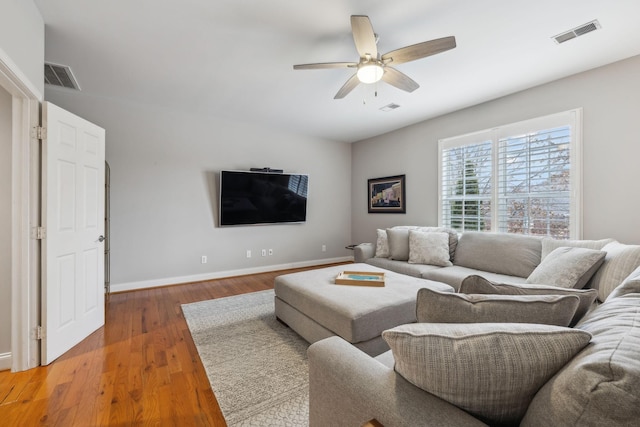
492	370
429	248
567	267
382	244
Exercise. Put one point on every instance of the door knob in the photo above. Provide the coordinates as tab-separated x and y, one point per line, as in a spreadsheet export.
101	239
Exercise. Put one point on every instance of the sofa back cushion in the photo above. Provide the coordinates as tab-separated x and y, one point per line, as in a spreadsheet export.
599	387
504	253
549	244
631	285
619	263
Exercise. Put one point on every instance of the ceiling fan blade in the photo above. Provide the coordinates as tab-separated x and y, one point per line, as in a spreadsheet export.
419	50
363	36
347	87
399	80
322	65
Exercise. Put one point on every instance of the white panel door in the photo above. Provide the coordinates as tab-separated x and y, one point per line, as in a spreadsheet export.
73	155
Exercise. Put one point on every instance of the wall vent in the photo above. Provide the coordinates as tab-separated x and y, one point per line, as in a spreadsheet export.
390	107
576	32
60	75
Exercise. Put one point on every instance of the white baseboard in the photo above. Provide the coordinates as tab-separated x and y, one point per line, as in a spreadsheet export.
154	283
5	361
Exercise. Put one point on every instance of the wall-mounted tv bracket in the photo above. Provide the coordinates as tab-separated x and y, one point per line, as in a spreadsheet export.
268	170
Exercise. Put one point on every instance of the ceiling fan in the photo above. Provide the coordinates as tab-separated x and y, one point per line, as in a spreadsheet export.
372	66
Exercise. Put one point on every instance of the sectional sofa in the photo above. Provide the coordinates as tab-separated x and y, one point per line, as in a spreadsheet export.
470	361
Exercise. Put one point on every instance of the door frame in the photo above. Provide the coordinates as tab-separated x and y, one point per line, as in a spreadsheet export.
25	215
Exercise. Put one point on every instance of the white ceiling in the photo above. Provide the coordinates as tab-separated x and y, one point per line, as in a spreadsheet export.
233	58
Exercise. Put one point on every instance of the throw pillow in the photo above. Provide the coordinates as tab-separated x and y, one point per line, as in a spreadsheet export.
479	285
567	267
398	244
549	244
631	285
619	263
492	370
429	248
453	237
382	244
440	307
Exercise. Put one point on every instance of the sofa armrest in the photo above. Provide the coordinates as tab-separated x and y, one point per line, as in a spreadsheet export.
347	388
363	252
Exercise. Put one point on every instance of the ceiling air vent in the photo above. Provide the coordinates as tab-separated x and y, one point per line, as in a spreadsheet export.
59	75
390	107
576	32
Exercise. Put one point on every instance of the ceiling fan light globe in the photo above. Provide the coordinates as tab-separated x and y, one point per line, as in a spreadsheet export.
370	73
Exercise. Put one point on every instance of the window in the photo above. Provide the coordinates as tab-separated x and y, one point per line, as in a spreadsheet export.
521	178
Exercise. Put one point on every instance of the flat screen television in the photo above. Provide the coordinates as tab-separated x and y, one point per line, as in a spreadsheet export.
251	198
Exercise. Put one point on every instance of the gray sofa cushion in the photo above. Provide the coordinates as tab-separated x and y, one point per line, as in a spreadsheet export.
480	285
356	313
600	386
619	263
398	239
403	267
567	267
631	285
453	276
491	370
549	244
503	253
438	307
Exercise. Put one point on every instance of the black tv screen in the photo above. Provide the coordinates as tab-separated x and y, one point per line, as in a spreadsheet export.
248	198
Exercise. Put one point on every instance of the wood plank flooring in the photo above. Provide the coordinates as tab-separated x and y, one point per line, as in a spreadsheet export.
141	368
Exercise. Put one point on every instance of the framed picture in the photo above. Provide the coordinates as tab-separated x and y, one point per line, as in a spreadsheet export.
387	195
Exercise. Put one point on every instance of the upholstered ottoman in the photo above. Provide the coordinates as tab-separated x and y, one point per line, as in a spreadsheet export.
316	308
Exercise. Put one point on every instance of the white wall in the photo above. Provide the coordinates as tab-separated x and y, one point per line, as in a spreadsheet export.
610	97
5	221
22	41
164	192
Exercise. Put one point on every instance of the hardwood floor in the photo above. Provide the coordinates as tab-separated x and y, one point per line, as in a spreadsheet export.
141	368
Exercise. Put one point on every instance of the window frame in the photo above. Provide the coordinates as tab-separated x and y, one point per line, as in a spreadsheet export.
572	118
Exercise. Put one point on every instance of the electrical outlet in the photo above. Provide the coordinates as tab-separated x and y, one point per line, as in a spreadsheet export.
248	253
324	248
264	252
270	252
203	260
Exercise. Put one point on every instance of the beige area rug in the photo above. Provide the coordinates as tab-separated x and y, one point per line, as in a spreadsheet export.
257	367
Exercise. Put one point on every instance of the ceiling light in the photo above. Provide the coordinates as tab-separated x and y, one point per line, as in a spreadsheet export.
370	72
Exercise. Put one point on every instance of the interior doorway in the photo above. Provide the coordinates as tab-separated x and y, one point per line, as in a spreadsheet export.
5	229
22	305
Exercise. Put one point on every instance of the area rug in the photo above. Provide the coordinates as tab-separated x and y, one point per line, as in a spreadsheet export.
257	367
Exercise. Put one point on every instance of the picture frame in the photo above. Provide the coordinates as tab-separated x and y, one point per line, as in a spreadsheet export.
387	194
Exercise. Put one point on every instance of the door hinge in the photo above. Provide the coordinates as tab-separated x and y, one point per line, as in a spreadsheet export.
41	233
39	333
39	132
